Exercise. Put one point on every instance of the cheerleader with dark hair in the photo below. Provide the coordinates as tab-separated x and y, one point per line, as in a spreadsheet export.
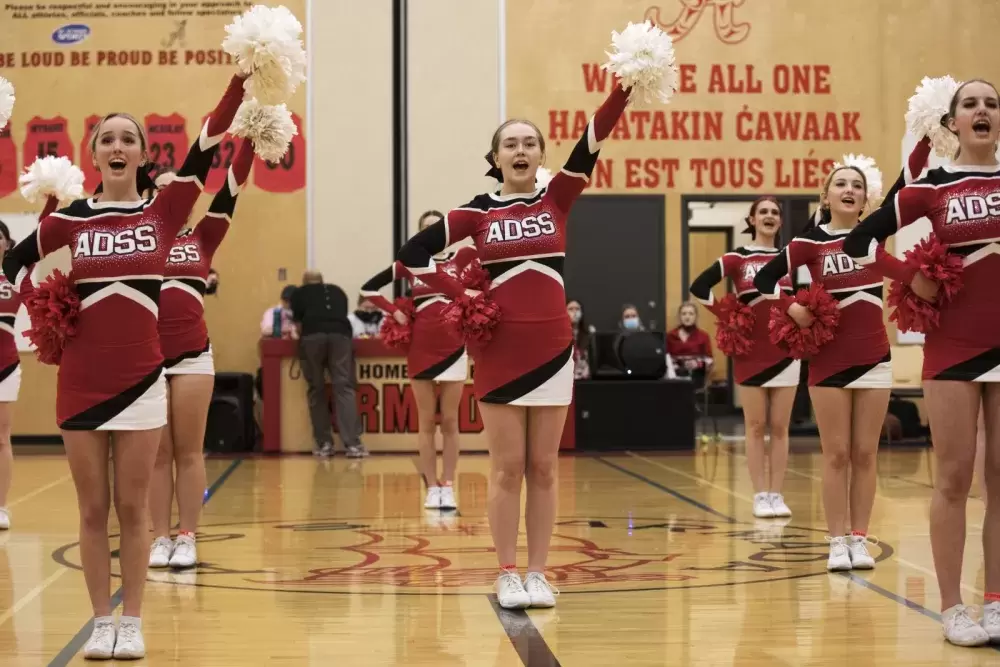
436	363
850	376
961	367
767	376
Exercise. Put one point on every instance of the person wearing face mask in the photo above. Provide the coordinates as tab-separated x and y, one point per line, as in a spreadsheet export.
961	353
581	340
630	321
767	376
851	376
366	320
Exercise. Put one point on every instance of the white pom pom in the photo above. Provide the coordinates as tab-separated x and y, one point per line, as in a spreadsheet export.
872	174
542	177
266	43
50	175
927	106
6	101
643	59
270	128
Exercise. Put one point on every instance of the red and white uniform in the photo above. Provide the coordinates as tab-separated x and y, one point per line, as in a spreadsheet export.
183	332
858	356
10	361
766	365
111	373
437	351
521	240
963	206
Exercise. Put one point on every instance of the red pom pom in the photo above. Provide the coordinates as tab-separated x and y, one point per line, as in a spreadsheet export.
475	277
475	316
931	258
734	327
53	308
805	342
394	334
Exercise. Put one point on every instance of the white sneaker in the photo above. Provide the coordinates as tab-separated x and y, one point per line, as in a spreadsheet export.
840	557
159	553
778	505
433	501
510	591
858	547
991	621
762	508
130	645
4	518
185	553
960	629
448	498
540	591
101	645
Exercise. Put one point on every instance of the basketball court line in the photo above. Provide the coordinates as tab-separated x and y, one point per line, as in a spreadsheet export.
524	636
889	595
74	645
31	595
39	490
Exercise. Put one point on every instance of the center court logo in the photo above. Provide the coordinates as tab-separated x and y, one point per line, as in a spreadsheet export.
455	556
727	28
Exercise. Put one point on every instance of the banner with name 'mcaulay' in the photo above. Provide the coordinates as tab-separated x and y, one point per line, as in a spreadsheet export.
772	92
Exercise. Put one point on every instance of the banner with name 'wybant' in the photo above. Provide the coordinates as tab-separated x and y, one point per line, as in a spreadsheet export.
162	62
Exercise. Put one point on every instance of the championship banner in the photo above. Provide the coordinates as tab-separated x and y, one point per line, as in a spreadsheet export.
71	63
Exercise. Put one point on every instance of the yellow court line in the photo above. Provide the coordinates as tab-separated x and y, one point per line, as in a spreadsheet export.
39	490
701	480
31	595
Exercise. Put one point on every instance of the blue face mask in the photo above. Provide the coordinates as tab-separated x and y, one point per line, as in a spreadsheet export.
631	322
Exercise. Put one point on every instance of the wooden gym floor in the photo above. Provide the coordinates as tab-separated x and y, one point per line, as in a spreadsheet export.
658	557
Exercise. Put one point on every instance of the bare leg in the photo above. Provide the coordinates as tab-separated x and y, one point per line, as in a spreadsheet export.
423	392
991	469
754	401
451	396
869	410
545	427
189	401
161	484
980	469
506	428
6	454
833	416
779	415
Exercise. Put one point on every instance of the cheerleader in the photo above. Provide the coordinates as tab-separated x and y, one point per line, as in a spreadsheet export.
10	377
962	352
189	370
110	379
436	357
851	376
767	376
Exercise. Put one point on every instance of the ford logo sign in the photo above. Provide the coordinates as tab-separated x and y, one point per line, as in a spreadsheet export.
71	34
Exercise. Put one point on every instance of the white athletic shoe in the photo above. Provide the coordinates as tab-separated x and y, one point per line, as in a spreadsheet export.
991	621
160	552
540	591
858	547
448	498
4	518
130	645
185	553
510	591
762	508
840	557
778	505
101	645
433	501
960	629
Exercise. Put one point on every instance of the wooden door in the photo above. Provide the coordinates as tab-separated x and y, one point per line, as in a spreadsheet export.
704	247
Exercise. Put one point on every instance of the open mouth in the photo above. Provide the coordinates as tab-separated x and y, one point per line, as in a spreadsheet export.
981	127
118	165
520	166
849	200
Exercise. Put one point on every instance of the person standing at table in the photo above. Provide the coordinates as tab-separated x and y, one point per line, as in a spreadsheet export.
325	344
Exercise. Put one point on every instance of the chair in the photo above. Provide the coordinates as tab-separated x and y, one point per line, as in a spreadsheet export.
702	380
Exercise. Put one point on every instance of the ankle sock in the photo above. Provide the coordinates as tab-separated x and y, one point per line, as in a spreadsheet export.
991	597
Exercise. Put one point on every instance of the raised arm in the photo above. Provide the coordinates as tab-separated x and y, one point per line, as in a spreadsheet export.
52	233
911	170
570	181
177	200
215	224
417	254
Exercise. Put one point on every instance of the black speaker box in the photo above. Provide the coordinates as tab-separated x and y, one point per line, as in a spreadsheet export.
634	414
231	425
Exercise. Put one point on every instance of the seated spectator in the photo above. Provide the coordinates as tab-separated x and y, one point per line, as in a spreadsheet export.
366	320
277	321
581	340
630	321
689	347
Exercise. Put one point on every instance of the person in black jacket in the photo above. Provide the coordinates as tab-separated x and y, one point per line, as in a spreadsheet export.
325	343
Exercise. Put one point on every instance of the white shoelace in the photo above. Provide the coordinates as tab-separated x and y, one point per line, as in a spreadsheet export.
128	632
962	620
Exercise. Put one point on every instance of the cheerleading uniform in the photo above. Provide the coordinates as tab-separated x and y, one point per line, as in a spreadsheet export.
766	365
183	334
111	373
963	205
521	240
437	351
10	361
858	356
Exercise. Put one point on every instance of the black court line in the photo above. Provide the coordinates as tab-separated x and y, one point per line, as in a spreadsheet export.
861	581
524	636
77	642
